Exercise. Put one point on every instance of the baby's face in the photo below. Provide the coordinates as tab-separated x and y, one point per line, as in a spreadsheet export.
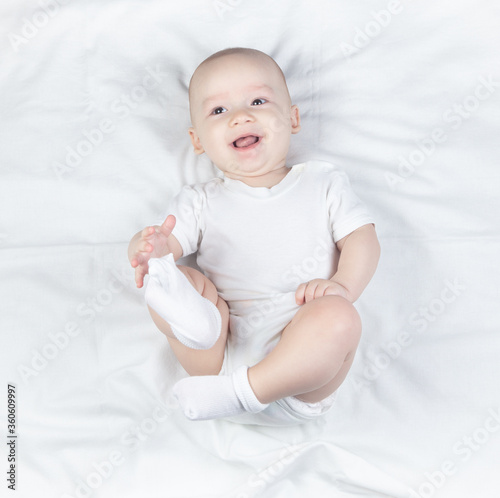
242	116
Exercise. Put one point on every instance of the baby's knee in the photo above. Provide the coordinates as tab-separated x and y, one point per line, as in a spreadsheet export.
339	318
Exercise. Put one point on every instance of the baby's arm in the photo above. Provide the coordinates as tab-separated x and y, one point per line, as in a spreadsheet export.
152	242
359	255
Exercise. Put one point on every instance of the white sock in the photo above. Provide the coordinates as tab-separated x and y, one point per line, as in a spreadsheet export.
217	396
194	320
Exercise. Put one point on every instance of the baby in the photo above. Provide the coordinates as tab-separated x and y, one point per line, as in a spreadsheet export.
268	331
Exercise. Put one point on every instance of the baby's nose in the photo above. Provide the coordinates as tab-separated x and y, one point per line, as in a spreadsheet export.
241	116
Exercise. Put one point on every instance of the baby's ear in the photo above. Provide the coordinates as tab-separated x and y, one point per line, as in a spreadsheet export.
295	117
195	140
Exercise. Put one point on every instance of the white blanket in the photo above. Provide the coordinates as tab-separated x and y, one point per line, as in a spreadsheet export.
403	95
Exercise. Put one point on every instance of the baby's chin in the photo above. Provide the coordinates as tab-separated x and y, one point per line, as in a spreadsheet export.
255	176
244	171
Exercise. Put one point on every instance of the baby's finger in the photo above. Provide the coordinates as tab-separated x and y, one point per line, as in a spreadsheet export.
322	290
146	232
299	294
145	247
310	292
168	225
139	277
336	291
140	257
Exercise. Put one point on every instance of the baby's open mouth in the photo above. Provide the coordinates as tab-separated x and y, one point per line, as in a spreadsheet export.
247	141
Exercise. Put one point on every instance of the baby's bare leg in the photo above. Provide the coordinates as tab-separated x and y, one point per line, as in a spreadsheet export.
311	360
196	361
314	354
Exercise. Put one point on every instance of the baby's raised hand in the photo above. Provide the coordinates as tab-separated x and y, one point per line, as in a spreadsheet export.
152	242
318	287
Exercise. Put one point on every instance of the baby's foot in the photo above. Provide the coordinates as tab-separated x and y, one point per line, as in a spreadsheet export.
194	320
217	396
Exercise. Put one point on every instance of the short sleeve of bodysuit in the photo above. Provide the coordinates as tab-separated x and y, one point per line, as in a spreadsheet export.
345	210
187	207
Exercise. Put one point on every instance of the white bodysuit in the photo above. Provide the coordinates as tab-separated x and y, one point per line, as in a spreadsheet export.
257	244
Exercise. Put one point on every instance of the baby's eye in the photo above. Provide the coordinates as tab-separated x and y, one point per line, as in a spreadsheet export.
259	101
218	110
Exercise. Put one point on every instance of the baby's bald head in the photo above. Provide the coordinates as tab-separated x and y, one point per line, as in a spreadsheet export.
241	113
233	56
